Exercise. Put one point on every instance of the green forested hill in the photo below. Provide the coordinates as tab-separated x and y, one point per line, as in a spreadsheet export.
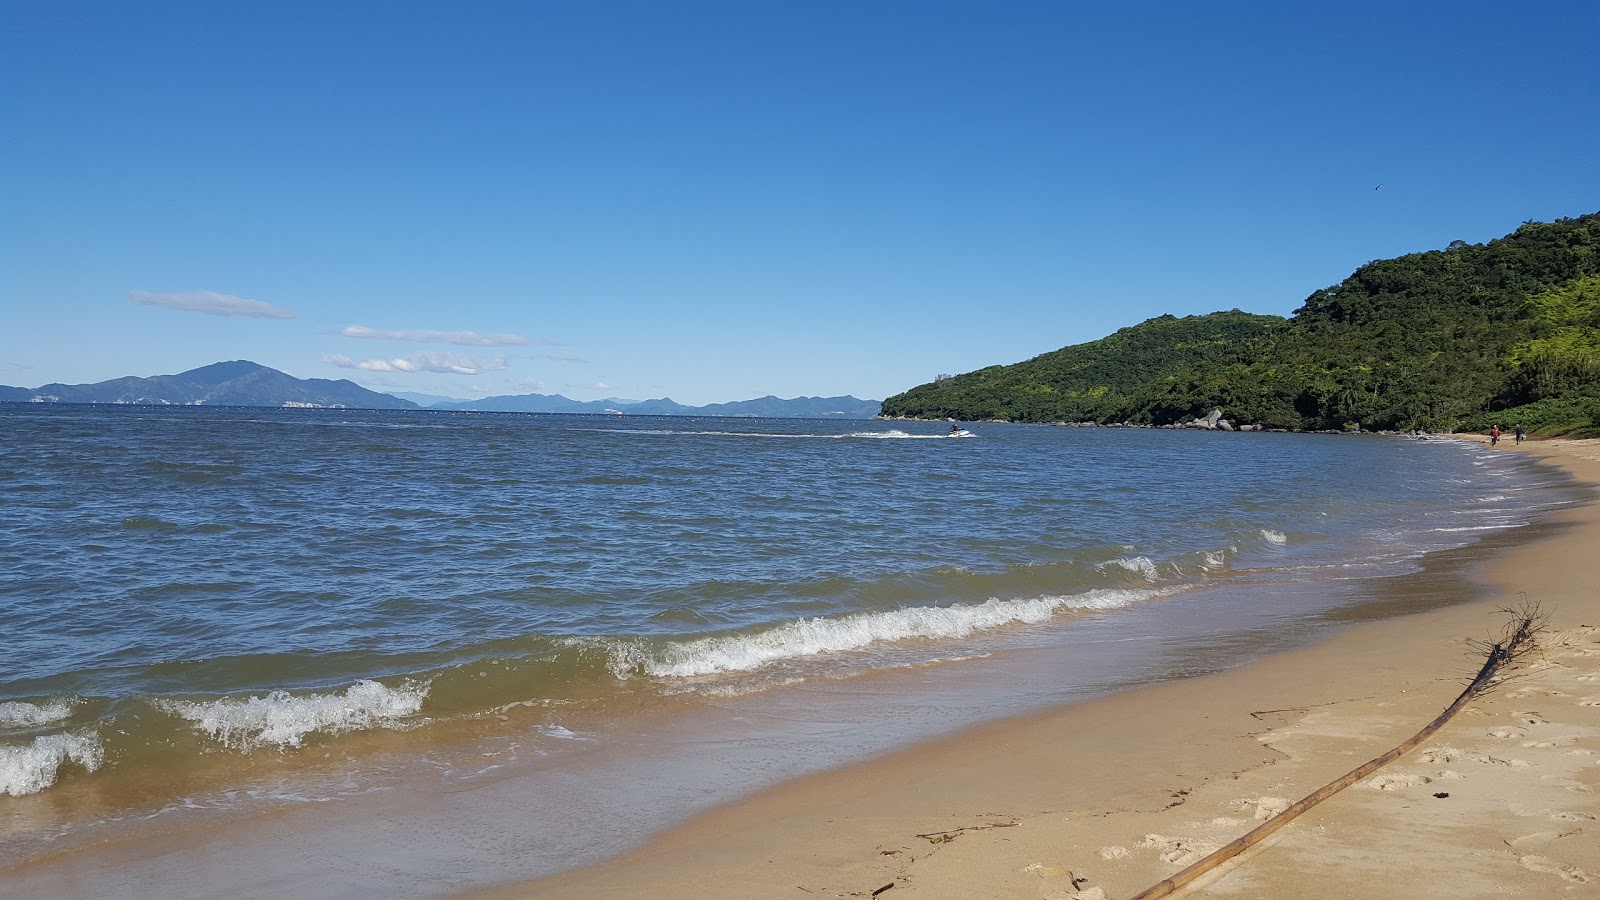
1507	330
1092	381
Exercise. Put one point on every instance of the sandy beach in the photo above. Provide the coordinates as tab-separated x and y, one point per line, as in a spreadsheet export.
1104	799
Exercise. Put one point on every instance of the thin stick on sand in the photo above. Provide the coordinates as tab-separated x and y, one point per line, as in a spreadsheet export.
1526	622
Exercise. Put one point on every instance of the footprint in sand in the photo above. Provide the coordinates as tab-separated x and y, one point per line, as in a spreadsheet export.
1570	873
1567	784
1437	755
1589	701
1541	745
1260	807
1449	775
1590	677
1536	841
1567	815
1178	851
1113	852
1529	718
1507	731
1397	782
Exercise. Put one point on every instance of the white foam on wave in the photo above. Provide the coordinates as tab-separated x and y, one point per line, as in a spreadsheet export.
813	637
1272	536
1484	527
1141	566
893	434
562	732
19	714
283	719
30	768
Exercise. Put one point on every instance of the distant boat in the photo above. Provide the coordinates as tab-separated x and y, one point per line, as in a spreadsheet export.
960	432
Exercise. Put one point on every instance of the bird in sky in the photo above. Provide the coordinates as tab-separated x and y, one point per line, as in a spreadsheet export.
1379	187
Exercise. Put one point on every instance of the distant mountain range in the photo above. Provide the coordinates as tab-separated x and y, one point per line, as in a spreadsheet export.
769	407
236	383
244	383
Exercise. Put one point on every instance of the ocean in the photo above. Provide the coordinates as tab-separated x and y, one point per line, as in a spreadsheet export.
487	625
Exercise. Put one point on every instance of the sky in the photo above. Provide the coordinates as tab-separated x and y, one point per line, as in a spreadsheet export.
715	201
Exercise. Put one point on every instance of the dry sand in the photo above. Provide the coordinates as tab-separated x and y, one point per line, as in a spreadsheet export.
1104	799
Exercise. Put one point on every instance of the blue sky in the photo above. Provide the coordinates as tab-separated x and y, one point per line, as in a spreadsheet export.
715	201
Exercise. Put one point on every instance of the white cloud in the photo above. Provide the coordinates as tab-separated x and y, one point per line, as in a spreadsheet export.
601	386
462	338
564	357
211	303
444	363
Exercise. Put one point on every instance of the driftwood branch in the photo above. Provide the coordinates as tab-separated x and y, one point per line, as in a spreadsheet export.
1526	621
939	837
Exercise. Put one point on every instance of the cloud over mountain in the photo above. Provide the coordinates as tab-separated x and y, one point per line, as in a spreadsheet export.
420	336
443	363
211	303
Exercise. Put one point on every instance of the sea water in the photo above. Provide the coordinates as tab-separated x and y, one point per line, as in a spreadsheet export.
215	612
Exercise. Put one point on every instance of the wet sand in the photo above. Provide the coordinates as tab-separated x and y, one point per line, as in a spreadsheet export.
1103	799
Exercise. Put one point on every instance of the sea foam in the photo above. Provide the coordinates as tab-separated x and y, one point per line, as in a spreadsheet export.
283	719
17	714
813	637
30	768
1141	566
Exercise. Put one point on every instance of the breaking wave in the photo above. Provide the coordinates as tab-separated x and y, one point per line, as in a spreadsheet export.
284	720
1141	566
30	768
17	714
817	636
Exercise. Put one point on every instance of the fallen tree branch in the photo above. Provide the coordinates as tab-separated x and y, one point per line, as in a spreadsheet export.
1527	620
942	836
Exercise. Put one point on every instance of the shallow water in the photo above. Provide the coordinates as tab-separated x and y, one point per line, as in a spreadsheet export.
212	612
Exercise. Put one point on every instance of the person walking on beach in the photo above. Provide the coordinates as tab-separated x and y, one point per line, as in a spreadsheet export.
1494	435
1521	435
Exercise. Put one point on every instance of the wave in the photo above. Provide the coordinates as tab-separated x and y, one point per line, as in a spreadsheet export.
16	714
30	768
891	434
284	720
1273	536
147	523
193	473
817	636
561	732
1142	566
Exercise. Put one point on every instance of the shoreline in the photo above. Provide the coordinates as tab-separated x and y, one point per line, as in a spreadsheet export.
1104	798
617	799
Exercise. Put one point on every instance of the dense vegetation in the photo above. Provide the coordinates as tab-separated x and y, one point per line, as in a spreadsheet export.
1507	331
